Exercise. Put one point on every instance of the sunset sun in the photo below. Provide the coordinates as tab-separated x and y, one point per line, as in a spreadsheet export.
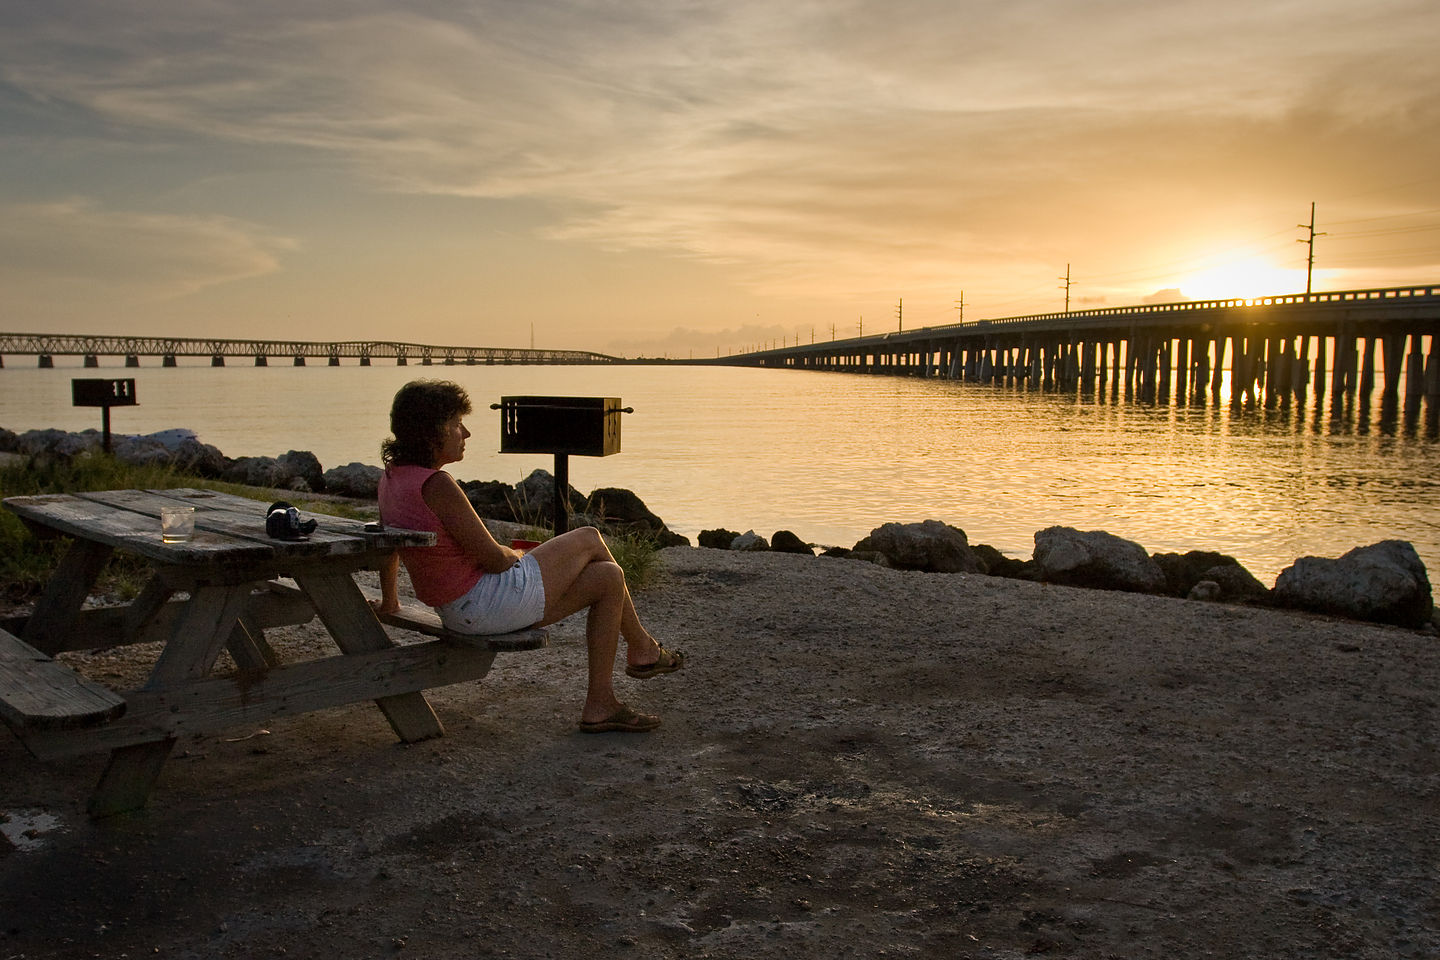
1244	277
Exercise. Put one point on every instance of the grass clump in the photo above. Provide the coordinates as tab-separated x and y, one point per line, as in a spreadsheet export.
638	556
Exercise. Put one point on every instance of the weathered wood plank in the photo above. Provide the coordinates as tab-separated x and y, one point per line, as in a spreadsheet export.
199	634
219	703
244	517
64	595
426	621
128	778
248	647
88	519
104	627
229	530
40	693
352	623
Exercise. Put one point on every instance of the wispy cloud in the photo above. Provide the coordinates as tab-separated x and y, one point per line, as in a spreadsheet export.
838	146
75	251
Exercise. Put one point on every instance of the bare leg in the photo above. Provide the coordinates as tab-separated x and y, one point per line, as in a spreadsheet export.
563	562
579	573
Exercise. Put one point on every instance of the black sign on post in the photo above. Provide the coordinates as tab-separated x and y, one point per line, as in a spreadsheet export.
104	394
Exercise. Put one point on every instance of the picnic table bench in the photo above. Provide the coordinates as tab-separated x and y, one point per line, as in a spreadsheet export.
220	590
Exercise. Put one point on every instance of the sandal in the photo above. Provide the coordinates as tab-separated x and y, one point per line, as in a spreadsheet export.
667	662
623	720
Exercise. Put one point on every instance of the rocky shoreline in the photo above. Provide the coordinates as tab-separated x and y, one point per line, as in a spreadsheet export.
1385	582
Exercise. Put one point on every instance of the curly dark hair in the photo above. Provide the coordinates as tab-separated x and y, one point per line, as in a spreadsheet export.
417	420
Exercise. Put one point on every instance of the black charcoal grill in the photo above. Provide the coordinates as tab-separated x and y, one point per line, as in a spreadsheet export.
582	426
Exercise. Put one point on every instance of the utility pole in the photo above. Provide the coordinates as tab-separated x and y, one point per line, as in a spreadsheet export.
862	324
1310	260
900	314
1066	288
960	305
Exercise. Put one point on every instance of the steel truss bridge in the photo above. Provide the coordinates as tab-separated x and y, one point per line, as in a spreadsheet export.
47	346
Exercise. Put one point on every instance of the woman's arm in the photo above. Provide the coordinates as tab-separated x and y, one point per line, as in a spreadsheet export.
389	585
444	496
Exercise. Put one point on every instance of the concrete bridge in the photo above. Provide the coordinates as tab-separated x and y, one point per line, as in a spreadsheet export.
1273	348
47	346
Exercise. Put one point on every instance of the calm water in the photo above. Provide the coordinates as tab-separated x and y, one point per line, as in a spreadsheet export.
830	456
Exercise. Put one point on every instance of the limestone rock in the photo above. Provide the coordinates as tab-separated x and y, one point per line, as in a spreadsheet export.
1384	583
1237	585
360	480
621	511
535	499
931	546
305	465
264	472
141	451
1184	570
202	459
786	542
622	508
172	439
750	542
491	498
58	443
1095	558
1207	590
718	539
996	564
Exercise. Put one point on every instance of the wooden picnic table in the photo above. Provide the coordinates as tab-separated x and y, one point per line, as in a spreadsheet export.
220	590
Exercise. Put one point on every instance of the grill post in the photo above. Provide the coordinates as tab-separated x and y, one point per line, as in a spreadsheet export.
561	517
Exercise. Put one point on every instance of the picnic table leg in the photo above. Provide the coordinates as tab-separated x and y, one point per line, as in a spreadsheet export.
128	778
248	647
198	636
151	598
346	614
64	595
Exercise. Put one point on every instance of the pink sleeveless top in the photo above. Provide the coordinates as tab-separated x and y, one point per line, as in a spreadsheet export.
441	573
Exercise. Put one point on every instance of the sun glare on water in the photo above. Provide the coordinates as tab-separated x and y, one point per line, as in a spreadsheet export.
1246	277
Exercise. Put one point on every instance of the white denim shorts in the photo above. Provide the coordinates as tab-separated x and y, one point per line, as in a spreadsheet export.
499	602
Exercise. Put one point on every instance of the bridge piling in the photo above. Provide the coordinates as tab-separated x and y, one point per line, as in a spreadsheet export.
1367	367
1415	380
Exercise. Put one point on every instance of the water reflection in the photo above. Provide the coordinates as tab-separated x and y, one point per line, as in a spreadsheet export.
832	455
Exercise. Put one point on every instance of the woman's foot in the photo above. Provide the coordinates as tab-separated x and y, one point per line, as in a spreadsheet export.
664	662
623	720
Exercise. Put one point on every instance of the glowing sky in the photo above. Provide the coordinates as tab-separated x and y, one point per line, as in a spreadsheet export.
676	177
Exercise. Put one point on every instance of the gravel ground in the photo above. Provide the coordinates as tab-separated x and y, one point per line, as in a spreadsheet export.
857	762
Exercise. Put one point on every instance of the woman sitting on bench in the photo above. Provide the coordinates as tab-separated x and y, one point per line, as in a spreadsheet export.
479	586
